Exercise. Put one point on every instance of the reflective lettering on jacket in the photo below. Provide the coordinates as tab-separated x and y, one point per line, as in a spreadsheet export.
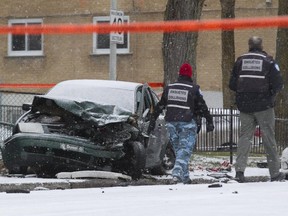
180	102
252	65
252	74
178	95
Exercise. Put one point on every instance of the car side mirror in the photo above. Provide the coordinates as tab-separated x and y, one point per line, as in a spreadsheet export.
26	107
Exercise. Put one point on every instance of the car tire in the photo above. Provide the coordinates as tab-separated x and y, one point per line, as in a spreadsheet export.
136	158
168	161
46	171
19	170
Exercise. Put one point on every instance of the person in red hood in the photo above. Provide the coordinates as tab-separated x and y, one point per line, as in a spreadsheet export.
183	102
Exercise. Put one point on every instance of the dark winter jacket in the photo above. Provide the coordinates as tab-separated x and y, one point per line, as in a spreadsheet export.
256	79
183	101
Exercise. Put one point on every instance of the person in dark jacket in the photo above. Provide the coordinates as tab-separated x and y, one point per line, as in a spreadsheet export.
256	79
183	102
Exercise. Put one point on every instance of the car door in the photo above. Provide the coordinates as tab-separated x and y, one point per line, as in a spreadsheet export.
159	138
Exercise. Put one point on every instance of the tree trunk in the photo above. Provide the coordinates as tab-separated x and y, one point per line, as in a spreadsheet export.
282	99
180	47
281	59
228	52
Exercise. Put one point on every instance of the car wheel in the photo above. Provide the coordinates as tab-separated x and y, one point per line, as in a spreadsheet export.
45	171
19	170
135	156
168	162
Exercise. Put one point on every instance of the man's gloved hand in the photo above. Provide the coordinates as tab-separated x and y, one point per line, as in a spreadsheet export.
209	126
198	120
151	126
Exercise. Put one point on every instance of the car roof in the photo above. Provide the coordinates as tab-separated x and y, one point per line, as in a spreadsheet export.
102	83
110	92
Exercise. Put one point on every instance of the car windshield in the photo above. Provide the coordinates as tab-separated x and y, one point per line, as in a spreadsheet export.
120	97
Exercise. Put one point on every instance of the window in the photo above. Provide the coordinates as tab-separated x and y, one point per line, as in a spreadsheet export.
101	42
26	44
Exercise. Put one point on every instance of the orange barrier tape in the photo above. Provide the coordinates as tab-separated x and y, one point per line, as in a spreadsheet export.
156	85
33	85
144	27
168	26
43	86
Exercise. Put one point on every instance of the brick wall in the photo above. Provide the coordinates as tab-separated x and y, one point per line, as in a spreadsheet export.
69	56
209	45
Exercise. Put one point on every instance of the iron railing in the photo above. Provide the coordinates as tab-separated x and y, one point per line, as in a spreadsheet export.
227	130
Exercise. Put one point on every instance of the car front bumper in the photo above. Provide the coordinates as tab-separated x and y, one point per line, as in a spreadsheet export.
36	150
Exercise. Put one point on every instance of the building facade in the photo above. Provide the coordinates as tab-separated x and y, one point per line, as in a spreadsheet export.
51	58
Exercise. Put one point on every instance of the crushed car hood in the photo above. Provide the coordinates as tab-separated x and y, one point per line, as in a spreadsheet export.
97	114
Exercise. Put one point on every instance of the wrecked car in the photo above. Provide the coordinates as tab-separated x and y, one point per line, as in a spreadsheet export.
89	125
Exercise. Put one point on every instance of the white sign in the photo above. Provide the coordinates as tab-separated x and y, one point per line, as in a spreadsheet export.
252	65
117	18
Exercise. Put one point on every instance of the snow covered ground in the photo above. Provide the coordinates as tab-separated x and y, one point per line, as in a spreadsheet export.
268	198
262	198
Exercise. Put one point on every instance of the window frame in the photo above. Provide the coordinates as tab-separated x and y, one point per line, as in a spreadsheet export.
103	51
25	52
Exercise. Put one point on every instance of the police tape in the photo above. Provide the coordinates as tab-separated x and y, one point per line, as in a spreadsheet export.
142	27
146	27
20	85
47	85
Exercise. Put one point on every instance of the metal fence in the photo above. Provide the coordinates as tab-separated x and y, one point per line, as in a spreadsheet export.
223	138
11	110
226	133
227	130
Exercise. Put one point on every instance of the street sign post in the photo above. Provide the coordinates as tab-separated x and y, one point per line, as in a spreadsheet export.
114	18
117	18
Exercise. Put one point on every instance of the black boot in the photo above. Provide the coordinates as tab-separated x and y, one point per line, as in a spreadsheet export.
240	177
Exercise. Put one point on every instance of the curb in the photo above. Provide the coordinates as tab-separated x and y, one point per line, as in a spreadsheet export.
101	183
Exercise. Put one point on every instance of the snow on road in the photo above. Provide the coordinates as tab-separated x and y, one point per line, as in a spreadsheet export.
266	198
255	199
